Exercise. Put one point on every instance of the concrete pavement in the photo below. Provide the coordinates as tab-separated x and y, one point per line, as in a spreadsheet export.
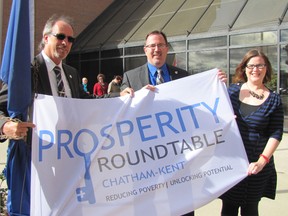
267	207
3	151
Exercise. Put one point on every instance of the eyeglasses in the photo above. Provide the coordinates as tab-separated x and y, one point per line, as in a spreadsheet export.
153	46
252	66
63	36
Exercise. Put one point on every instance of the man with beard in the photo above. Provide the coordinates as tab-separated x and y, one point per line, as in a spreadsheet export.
51	76
58	37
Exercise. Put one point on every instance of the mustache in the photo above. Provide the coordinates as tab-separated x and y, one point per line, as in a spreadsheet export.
62	46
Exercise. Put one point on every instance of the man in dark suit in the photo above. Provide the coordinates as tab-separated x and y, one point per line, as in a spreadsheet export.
58	37
55	45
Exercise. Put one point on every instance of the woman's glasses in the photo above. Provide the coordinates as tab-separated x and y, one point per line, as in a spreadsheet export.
252	66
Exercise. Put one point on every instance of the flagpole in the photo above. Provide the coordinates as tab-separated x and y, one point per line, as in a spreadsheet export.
32	27
1	26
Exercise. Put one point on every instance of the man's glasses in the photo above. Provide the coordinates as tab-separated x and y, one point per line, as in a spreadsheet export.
63	36
252	66
153	46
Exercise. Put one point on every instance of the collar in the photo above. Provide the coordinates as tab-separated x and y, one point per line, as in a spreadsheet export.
153	69
49	63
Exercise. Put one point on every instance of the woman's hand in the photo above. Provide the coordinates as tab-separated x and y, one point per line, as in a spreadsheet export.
255	167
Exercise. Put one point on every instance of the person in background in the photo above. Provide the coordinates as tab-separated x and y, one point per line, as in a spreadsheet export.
260	117
114	86
100	88
85	85
148	75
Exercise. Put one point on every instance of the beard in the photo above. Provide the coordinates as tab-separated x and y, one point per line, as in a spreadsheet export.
60	53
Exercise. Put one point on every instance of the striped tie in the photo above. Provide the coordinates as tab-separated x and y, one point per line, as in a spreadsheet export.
60	85
159	78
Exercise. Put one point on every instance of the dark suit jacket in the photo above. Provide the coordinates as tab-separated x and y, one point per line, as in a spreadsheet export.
41	79
3	103
41	84
139	77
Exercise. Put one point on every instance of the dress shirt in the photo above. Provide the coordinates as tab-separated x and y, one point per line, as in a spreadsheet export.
52	77
153	73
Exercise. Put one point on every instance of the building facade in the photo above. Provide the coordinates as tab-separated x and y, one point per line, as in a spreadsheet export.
202	35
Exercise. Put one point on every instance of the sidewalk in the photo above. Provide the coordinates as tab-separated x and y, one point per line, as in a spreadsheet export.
3	154
267	207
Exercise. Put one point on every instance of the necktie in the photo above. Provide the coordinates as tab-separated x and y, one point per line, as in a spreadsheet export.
60	85
159	78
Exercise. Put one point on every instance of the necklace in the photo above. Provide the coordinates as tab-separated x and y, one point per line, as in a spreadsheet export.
254	94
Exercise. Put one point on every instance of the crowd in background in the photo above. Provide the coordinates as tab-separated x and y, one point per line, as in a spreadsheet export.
102	88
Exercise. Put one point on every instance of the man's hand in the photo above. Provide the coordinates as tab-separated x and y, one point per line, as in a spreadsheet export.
16	129
127	91
149	87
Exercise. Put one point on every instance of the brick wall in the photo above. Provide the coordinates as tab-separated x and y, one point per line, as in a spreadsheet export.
83	12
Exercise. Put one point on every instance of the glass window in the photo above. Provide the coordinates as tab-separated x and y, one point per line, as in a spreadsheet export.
177	60
157	18
111	67
219	16
90	55
90	69
207	43
135	14
133	62
102	32
73	58
134	50
254	38
284	77
111	53
200	61
177	46
285	19
191	10
284	35
270	10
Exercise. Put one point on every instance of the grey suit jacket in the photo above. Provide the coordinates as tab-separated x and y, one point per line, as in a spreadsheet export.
139	77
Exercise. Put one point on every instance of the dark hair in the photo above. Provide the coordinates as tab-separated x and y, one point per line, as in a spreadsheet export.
156	32
100	75
50	24
240	75
118	77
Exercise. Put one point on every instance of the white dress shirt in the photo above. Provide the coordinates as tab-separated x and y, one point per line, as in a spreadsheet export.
52	76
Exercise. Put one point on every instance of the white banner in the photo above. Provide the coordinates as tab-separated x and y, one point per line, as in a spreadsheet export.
166	152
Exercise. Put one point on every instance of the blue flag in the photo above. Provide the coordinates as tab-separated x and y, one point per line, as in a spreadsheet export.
16	72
